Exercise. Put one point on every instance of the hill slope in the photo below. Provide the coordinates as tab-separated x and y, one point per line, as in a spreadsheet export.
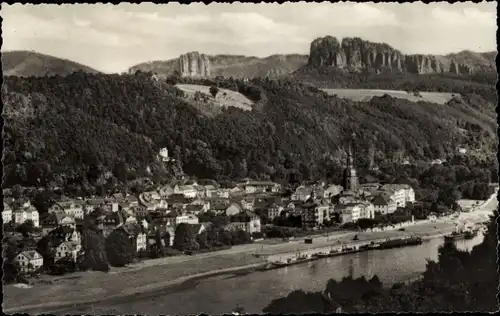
233	66
26	63
83	125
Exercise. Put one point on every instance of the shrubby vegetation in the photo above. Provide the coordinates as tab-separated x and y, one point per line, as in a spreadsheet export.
458	281
94	133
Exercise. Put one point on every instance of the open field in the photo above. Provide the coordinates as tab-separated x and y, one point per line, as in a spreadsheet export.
223	98
364	95
159	273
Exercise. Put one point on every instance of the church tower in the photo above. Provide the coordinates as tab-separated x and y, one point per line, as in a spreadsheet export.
351	182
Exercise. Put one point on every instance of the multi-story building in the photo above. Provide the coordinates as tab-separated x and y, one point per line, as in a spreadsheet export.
67	249
29	261
400	193
70	208
6	213
189	191
384	204
314	213
27	213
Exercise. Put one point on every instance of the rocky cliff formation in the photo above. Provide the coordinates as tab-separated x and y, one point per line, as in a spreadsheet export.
356	54
199	65
194	64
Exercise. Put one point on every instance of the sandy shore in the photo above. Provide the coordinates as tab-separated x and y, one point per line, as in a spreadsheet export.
151	275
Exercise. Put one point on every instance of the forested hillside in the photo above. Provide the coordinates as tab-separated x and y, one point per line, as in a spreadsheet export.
482	83
81	127
29	63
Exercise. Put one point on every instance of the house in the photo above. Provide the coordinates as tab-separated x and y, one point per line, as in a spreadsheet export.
301	194
367	210
105	204
247	203
349	213
189	191
135	233
274	211
71	208
353	212
384	204
236	191
314	213
111	220
165	191
196	209
186	218
6	213
29	261
251	186
27	213
51	221
251	220
67	249
219	207
233	209
66	233
222	193
400	193
234	226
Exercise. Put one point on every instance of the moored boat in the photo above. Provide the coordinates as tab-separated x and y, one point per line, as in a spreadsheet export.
400	242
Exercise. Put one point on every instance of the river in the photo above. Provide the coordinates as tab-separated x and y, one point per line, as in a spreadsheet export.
253	291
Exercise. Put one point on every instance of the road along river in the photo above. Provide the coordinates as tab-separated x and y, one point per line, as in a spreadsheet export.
219	294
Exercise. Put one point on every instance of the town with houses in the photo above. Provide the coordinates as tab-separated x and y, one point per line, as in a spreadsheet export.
185	201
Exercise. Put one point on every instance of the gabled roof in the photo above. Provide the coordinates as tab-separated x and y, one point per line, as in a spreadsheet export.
70	245
30	254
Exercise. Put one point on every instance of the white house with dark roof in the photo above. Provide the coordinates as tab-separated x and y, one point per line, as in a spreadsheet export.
384	204
251	186
67	249
189	191
29	261
27	213
6	213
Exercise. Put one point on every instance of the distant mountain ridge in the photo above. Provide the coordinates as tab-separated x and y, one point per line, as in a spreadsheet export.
354	54
30	63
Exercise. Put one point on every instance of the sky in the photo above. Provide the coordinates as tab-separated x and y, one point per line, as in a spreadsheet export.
112	38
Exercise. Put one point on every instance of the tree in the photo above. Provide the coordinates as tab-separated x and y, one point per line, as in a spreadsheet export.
94	252
119	248
214	90
184	239
26	228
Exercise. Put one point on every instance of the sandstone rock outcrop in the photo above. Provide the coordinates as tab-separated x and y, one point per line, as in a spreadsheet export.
194	64
356	54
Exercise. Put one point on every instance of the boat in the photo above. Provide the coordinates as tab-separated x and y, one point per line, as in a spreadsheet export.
400	242
461	233
468	234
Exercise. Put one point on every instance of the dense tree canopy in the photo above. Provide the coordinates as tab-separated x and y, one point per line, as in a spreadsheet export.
91	133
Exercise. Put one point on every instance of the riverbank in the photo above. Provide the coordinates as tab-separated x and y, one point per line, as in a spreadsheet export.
88	287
